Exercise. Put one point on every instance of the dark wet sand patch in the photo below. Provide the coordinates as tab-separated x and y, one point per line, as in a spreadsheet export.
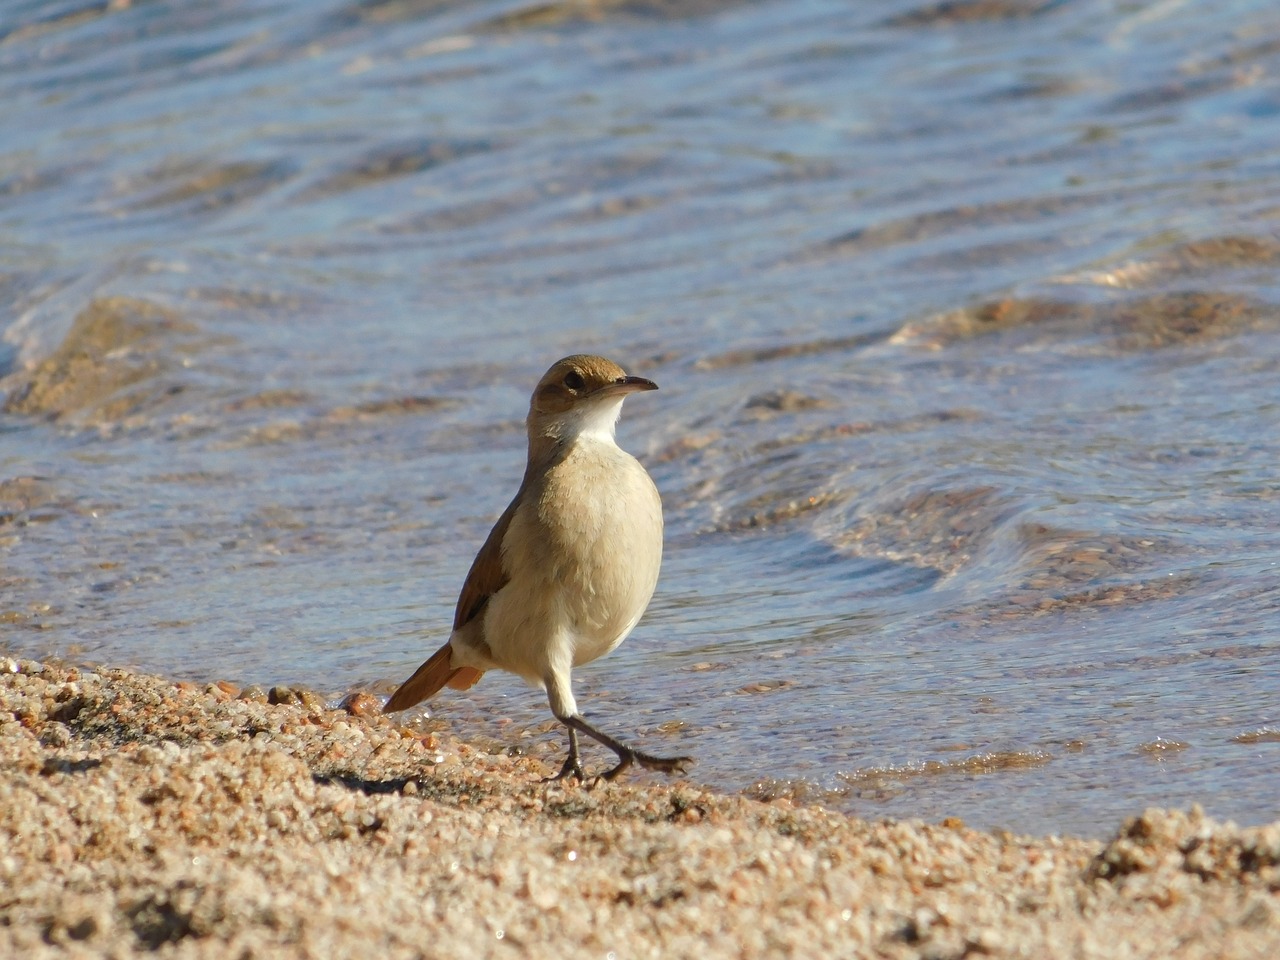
745	356
934	223
951	12
566	13
391	162
201	186
1129	324
330	422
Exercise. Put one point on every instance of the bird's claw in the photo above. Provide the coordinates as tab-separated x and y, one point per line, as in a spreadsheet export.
679	765
649	762
572	767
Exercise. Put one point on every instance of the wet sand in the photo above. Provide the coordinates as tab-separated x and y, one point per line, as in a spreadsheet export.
140	815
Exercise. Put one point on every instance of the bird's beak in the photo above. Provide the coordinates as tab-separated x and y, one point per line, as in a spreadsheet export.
625	385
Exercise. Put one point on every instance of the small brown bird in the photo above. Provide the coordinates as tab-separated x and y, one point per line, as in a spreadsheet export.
570	565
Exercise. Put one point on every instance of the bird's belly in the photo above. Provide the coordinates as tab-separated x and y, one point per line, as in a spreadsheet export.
588	559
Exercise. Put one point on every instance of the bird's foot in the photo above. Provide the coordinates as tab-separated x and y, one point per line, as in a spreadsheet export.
628	756
572	768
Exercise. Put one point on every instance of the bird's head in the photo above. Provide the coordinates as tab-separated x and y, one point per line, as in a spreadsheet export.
581	396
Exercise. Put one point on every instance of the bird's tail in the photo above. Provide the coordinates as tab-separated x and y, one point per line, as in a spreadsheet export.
427	680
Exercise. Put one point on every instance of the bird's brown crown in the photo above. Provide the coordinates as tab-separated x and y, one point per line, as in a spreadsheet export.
581	376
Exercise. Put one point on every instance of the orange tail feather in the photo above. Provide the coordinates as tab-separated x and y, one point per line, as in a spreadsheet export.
429	678
464	678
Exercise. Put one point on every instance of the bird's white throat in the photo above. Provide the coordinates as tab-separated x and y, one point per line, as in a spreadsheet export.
588	420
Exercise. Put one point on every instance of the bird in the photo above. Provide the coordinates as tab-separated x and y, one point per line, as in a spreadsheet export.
569	567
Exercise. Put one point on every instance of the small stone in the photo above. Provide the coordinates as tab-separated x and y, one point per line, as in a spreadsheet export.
361	704
311	700
282	695
55	734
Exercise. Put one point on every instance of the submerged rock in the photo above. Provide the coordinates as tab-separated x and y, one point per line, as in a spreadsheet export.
108	365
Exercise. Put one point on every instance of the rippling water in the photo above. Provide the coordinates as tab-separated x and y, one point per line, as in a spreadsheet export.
966	318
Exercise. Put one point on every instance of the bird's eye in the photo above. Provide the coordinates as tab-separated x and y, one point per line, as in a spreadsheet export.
573	380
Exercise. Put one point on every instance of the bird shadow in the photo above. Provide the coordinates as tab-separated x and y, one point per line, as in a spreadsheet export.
364	785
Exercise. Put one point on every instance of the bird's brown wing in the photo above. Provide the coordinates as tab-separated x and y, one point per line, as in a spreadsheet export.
486	576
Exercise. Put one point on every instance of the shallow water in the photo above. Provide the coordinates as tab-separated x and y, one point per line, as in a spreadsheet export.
966	320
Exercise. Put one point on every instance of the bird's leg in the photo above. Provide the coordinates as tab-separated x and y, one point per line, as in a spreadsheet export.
626	755
572	765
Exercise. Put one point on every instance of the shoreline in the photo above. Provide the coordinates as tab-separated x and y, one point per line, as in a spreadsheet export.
141	815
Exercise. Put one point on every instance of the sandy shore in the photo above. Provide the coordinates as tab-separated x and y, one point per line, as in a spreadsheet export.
139	815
